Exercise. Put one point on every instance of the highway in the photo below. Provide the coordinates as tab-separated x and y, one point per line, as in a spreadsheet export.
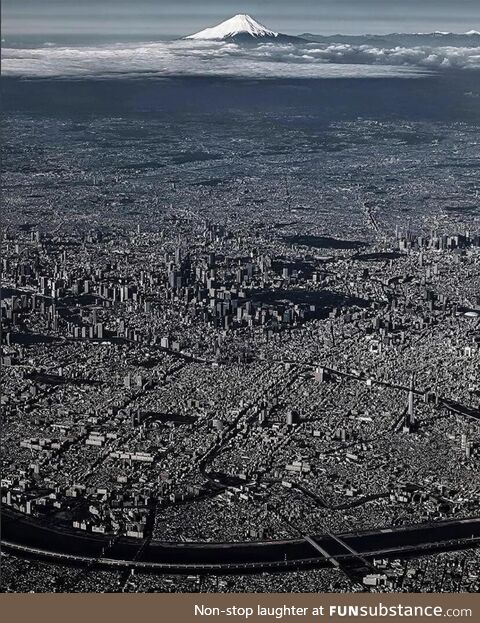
447	403
29	538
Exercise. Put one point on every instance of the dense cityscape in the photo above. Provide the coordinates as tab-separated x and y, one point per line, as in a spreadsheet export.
240	332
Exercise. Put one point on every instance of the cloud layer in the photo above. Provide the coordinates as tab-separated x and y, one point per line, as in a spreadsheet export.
198	58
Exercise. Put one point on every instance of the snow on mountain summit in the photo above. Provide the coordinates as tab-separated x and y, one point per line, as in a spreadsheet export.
239	26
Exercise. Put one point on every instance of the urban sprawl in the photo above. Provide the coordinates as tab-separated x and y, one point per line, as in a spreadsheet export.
205	349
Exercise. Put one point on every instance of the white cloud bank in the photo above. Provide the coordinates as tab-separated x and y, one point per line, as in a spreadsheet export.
182	58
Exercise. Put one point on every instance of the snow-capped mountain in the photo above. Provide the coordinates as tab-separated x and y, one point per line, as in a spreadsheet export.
241	28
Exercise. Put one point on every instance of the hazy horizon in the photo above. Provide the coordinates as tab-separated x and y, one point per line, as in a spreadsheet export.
150	18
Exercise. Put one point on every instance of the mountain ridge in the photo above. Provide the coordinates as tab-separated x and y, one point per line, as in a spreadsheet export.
436	38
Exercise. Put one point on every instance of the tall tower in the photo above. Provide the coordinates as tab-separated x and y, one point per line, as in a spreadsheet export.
410	412
411	408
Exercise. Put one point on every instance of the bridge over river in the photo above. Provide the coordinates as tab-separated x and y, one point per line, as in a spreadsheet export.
27	537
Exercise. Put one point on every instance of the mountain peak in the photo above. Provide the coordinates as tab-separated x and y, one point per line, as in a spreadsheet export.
239	26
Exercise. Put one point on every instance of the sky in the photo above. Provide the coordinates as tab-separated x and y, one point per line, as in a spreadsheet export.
156	18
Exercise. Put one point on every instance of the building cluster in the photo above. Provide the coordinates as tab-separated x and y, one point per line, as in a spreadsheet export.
126	399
